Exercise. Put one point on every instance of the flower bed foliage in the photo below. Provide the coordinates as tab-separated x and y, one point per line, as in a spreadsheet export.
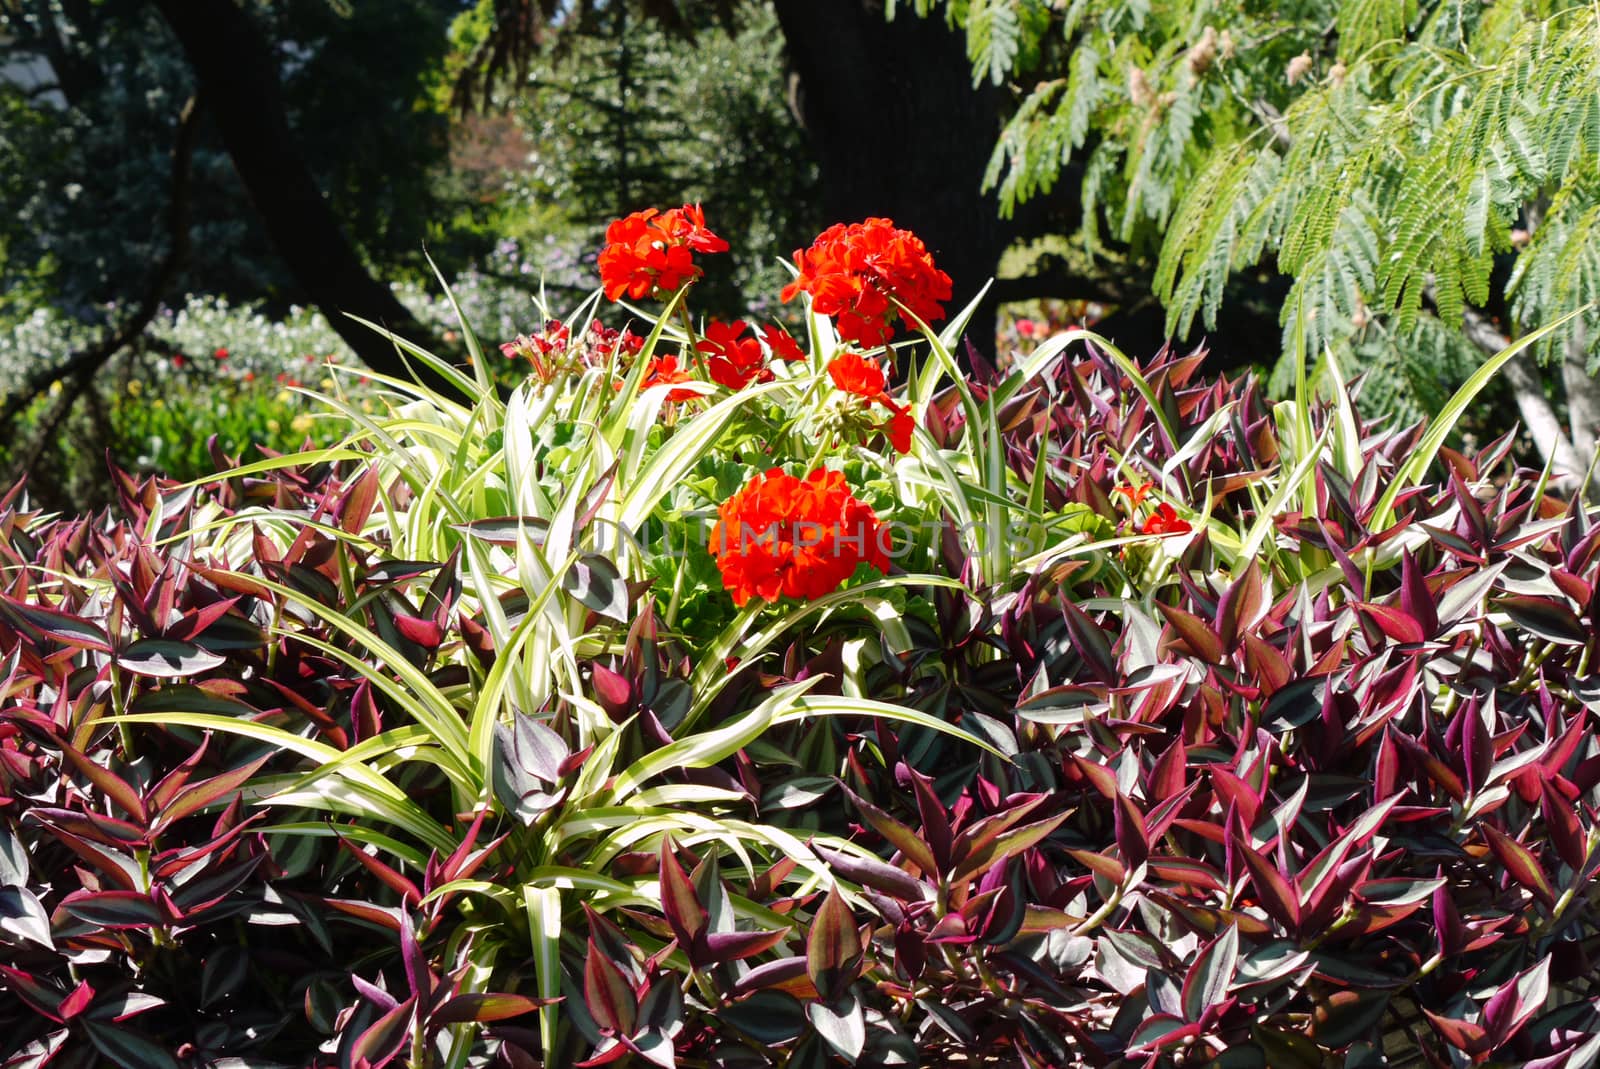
1096	713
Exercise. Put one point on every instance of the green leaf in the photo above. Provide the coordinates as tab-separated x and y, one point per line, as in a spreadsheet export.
595	582
127	1049
543	906
842	1025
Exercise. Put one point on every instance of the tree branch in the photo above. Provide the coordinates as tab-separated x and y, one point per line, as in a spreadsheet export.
1527	386
236	66
79	369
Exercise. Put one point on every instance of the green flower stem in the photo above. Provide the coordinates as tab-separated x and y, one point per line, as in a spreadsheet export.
689	335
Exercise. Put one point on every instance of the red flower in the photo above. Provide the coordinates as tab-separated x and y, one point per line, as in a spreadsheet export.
688	224
735	360
782	343
664	371
851	272
555	338
1134	494
650	252
900	426
854	373
604	341
177	360
1164	520
786	537
220	354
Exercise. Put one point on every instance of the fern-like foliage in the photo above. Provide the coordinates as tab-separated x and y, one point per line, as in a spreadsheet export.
1390	167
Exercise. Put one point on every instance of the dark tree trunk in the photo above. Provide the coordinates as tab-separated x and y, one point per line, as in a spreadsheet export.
899	131
238	75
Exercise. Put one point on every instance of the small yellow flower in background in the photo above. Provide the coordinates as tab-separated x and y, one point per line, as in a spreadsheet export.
327	385
366	405
300	424
158	403
55	387
274	426
135	387
284	397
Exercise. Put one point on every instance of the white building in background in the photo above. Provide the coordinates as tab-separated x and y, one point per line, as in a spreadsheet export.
29	71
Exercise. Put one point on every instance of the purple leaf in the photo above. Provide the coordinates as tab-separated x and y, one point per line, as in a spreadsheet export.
870	872
1415	598
1516	1002
723	947
833	947
114	786
935	822
114	909
1196	635
209	792
784	974
1566	835
1132	838
1519	862
1090	642
162	658
841	1024
374	994
1466	1037
1240	607
1398	625
680	903
899	836
22	915
1547	618
1276	895
485	1007
381	1043
1206	984
610	998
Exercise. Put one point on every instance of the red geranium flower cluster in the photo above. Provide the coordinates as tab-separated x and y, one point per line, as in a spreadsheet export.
786	537
855	374
734	360
852	271
651	252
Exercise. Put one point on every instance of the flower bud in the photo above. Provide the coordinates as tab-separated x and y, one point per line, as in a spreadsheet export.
1139	88
1200	57
1299	67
